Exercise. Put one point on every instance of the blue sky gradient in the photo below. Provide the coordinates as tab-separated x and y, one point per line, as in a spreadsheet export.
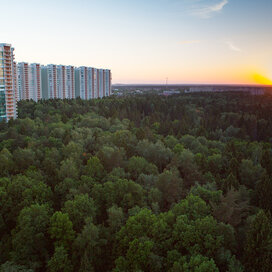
188	41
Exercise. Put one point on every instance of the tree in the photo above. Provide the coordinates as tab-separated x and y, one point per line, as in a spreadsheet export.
23	158
31	230
187	167
137	256
264	193
178	148
79	209
230	182
200	236
171	141
19	192
266	161
95	169
207	192
125	139
124	193
170	185
115	218
233	208
138	165
154	153
61	230
7	163
192	206
111	157
234	167
137	226
215	163
11	267
68	169
73	150
196	263
249	173
258	249
87	248
60	261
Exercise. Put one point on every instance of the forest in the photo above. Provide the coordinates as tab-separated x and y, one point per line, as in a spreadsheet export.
138	183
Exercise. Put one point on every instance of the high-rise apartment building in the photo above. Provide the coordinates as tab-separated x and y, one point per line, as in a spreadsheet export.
15	81
35	81
52	81
70	82
29	81
32	81
58	81
8	84
92	83
101	82
107	82
85	82
23	81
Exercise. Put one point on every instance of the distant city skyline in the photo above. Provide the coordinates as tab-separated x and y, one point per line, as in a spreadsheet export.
188	41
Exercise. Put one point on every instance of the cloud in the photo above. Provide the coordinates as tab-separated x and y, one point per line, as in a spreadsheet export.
233	47
208	10
189	42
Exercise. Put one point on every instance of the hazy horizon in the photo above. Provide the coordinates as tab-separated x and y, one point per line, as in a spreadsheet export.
144	42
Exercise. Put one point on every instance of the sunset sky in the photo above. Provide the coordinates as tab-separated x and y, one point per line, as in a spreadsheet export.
146	41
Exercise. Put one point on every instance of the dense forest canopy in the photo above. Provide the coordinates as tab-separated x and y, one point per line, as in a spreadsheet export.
138	183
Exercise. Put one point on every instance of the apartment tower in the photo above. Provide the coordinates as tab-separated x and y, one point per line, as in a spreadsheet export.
86	83
52	81
70	82
35	81
29	81
8	90
58	81
23	81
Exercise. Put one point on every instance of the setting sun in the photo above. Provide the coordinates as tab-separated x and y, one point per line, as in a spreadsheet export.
260	79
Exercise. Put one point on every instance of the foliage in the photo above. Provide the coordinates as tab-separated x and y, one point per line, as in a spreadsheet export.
138	183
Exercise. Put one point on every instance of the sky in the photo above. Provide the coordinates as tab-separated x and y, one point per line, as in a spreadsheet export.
146	41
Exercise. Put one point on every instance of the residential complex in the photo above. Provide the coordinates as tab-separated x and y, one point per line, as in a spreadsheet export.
8	83
67	82
24	81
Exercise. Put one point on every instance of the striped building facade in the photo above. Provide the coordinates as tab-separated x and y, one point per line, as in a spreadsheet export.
29	81
92	83
25	81
8	83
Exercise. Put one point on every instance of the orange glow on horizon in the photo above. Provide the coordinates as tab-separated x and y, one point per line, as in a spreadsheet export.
260	79
224	75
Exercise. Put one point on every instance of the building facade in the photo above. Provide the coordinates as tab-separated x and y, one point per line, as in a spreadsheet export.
70	82
58	81
23	81
52	81
35	81
29	81
8	84
92	83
